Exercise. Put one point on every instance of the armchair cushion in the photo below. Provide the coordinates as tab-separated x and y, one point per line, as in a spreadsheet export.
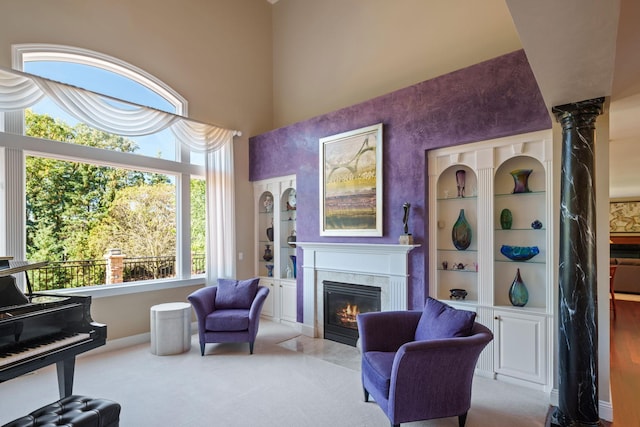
236	293
228	320
440	320
377	366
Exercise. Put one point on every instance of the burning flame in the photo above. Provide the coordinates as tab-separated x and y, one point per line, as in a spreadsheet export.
348	314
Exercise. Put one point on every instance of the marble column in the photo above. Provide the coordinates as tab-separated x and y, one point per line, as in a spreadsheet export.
578	305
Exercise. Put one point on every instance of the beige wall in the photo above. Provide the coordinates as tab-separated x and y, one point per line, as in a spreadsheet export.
129	315
215	53
330	54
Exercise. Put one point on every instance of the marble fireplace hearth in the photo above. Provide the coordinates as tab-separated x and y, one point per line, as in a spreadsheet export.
379	265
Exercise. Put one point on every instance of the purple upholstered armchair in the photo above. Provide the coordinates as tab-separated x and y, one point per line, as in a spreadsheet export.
419	365
229	312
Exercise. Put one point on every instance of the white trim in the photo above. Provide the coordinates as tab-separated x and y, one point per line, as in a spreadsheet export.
381	265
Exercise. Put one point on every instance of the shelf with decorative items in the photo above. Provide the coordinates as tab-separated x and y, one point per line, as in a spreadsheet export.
520	240
275	230
264	240
288	215
506	275
456	246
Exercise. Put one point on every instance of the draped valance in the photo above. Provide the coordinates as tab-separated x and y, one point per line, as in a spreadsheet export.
19	90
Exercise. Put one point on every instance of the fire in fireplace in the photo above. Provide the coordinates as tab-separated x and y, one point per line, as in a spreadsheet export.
342	303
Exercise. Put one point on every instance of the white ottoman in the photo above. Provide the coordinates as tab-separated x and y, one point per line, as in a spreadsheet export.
170	328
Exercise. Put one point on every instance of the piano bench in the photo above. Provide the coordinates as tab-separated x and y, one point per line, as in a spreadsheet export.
73	411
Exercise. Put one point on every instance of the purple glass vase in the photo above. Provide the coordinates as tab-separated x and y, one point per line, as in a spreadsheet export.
521	180
460	181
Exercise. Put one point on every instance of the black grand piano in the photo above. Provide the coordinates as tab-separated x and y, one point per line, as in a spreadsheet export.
38	329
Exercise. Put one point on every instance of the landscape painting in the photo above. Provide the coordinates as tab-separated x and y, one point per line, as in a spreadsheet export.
351	183
624	217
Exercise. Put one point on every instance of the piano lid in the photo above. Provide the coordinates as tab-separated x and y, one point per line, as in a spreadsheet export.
10	294
20	266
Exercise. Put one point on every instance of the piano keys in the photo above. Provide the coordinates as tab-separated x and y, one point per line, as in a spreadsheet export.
37	330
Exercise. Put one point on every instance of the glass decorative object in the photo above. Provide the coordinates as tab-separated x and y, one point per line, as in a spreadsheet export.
536	225
270	233
460	181
268	253
461	232
269	270
268	203
519	253
521	180
506	219
293	261
518	293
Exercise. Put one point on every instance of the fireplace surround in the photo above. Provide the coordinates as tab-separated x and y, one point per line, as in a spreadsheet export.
384	266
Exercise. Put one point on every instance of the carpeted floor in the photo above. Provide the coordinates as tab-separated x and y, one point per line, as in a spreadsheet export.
290	380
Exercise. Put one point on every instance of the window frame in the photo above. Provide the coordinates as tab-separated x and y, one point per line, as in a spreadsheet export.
21	146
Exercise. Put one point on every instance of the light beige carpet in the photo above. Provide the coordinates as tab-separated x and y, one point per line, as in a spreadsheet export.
290	380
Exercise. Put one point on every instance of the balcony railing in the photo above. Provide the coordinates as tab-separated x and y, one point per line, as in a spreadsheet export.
76	274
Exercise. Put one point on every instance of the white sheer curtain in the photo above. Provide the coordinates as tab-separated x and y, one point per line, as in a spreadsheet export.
20	90
221	243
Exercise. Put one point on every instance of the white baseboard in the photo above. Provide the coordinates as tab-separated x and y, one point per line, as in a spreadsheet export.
129	341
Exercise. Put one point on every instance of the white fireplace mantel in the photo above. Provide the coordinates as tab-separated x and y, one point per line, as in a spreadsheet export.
382	265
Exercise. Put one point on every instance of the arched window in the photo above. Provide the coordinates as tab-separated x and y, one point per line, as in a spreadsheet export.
87	205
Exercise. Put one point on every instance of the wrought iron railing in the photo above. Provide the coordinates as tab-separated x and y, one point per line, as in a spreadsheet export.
76	274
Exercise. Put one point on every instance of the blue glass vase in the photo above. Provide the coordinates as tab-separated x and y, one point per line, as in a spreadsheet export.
518	293
461	232
293	261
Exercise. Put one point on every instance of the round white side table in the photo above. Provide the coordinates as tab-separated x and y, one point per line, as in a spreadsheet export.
170	328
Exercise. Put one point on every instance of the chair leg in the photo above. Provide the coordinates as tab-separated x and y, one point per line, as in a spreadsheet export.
462	419
251	347
201	349
366	394
395	425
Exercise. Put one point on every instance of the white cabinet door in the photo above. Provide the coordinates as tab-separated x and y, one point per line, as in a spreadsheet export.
269	307
288	300
520	345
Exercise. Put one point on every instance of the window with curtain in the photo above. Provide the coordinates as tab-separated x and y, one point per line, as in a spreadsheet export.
90	214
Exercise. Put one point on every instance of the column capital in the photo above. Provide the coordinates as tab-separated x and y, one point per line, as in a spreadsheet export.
579	114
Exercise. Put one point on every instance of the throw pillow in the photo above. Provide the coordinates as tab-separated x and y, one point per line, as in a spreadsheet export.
236	293
440	320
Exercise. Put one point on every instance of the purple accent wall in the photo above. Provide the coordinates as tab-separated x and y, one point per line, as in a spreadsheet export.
493	99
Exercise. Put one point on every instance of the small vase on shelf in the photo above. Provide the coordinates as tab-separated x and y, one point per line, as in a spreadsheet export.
268	254
506	219
269	270
521	180
460	181
293	261
461	232
268	203
291	240
518	293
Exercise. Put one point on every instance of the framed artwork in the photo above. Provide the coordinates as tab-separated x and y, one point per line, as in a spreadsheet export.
351	183
624	217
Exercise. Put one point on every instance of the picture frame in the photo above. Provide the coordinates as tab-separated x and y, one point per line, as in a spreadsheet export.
350	172
624	217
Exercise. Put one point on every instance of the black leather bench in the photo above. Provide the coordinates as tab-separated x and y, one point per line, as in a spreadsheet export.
73	411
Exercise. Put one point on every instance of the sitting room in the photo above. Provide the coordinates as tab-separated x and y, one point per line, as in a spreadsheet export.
341	160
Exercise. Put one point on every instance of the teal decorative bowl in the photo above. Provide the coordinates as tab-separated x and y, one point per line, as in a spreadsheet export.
519	253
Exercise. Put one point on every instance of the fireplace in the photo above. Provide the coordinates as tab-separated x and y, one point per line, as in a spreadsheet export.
342	303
